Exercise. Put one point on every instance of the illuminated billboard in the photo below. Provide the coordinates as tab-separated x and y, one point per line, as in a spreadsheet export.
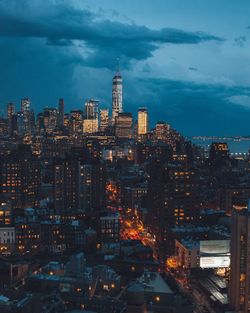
214	253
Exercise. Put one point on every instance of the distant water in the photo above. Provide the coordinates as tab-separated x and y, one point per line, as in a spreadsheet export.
235	146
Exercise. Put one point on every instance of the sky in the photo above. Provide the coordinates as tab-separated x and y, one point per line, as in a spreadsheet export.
187	61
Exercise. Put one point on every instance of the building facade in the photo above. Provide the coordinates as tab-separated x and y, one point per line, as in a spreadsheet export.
239	285
117	96
142	121
123	125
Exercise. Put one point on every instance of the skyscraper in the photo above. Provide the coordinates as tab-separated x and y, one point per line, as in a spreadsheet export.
162	131
91	122
123	125
28	116
218	154
239	285
76	121
25	105
142	121
117	105
91	109
173	198
79	183
60	113
20	178
49	119
10	115
104	119
10	110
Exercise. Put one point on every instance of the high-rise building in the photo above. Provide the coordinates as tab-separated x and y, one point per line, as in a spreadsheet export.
123	125
60	113
142	121
3	127
20	123
50	119
239	285
28	116
162	130
76	121
20	180
117	98
218	154
173	197
79	183
25	105
91	109
90	126
91	122
10	109
104	120
10	116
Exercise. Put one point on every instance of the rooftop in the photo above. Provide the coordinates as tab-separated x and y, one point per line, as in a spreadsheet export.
153	282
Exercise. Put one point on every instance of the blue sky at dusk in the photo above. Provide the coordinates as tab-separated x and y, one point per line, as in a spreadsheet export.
188	61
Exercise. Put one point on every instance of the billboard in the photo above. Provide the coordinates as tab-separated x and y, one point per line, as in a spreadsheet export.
214	253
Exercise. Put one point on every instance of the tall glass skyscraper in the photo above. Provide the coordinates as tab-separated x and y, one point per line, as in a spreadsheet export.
142	121
117	94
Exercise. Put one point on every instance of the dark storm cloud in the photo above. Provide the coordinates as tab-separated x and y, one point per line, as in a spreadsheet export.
32	68
60	42
51	51
60	24
194	108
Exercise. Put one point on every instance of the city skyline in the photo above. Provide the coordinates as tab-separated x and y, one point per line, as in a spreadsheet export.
125	156
183	65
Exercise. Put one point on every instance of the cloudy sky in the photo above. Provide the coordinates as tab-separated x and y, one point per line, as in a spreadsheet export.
188	61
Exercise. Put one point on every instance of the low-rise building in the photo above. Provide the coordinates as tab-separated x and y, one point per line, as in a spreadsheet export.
188	253
7	239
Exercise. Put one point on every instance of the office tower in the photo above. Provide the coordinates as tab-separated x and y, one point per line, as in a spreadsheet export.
10	116
20	180
3	127
91	123
173	198
162	130
20	124
123	125
239	284
25	105
40	123
79	183
76	122
142	121
218	154
60	113
104	120
90	126
10	110
66	120
117	105
144	152
50	119
28	119
91	109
